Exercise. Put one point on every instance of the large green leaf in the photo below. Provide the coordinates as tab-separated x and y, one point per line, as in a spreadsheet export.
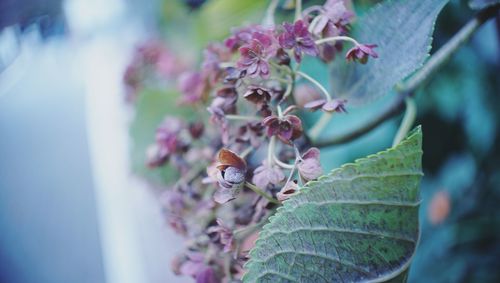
358	223
402	29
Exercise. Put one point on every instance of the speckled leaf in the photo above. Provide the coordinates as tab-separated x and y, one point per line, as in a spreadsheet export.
359	223
402	29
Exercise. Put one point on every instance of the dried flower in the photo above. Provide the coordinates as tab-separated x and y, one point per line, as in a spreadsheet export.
332	19
213	55
258	94
241	36
255	54
193	87
286	128
288	190
297	37
231	175
266	174
252	133
168	141
334	105
309	166
196	267
196	129
361	52
224	235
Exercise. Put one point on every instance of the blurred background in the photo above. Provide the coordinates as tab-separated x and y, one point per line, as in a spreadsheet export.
76	203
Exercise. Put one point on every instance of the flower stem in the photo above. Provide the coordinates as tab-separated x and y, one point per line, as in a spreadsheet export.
271	10
407	122
443	54
241	117
435	62
244	153
298	10
270	150
260	192
316	83
243	233
319	125
282	164
336	38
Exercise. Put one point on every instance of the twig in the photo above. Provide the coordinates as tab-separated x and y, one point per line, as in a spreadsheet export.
260	192
431	66
408	120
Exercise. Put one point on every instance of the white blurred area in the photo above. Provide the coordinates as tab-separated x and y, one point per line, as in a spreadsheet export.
64	152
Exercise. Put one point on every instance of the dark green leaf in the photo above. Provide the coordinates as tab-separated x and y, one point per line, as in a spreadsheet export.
358	223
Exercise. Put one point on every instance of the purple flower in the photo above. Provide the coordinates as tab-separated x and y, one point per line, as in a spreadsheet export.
213	55
231	175
288	190
241	36
255	54
168	142
361	52
258	94
309	166
218	109
297	37
233	75
252	133
196	129
224	235
332	19
334	105
266	174
196	267
193	87
286	128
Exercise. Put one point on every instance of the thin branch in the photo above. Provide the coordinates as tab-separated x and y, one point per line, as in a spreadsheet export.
393	110
260	192
431	66
407	122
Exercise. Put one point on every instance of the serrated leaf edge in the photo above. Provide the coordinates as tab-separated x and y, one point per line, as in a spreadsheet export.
416	131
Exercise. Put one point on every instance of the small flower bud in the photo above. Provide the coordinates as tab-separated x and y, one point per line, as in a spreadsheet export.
286	128
231	175
288	190
310	167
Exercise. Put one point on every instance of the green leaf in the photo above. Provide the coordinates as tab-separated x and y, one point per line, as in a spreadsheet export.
403	32
358	223
481	4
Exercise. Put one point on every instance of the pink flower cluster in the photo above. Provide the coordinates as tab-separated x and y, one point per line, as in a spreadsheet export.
250	151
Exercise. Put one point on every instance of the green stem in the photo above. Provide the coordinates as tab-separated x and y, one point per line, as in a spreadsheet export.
407	122
270	150
435	62
271	10
336	38
243	233
260	192
438	59
282	164
298	10
316	83
241	117
319	125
